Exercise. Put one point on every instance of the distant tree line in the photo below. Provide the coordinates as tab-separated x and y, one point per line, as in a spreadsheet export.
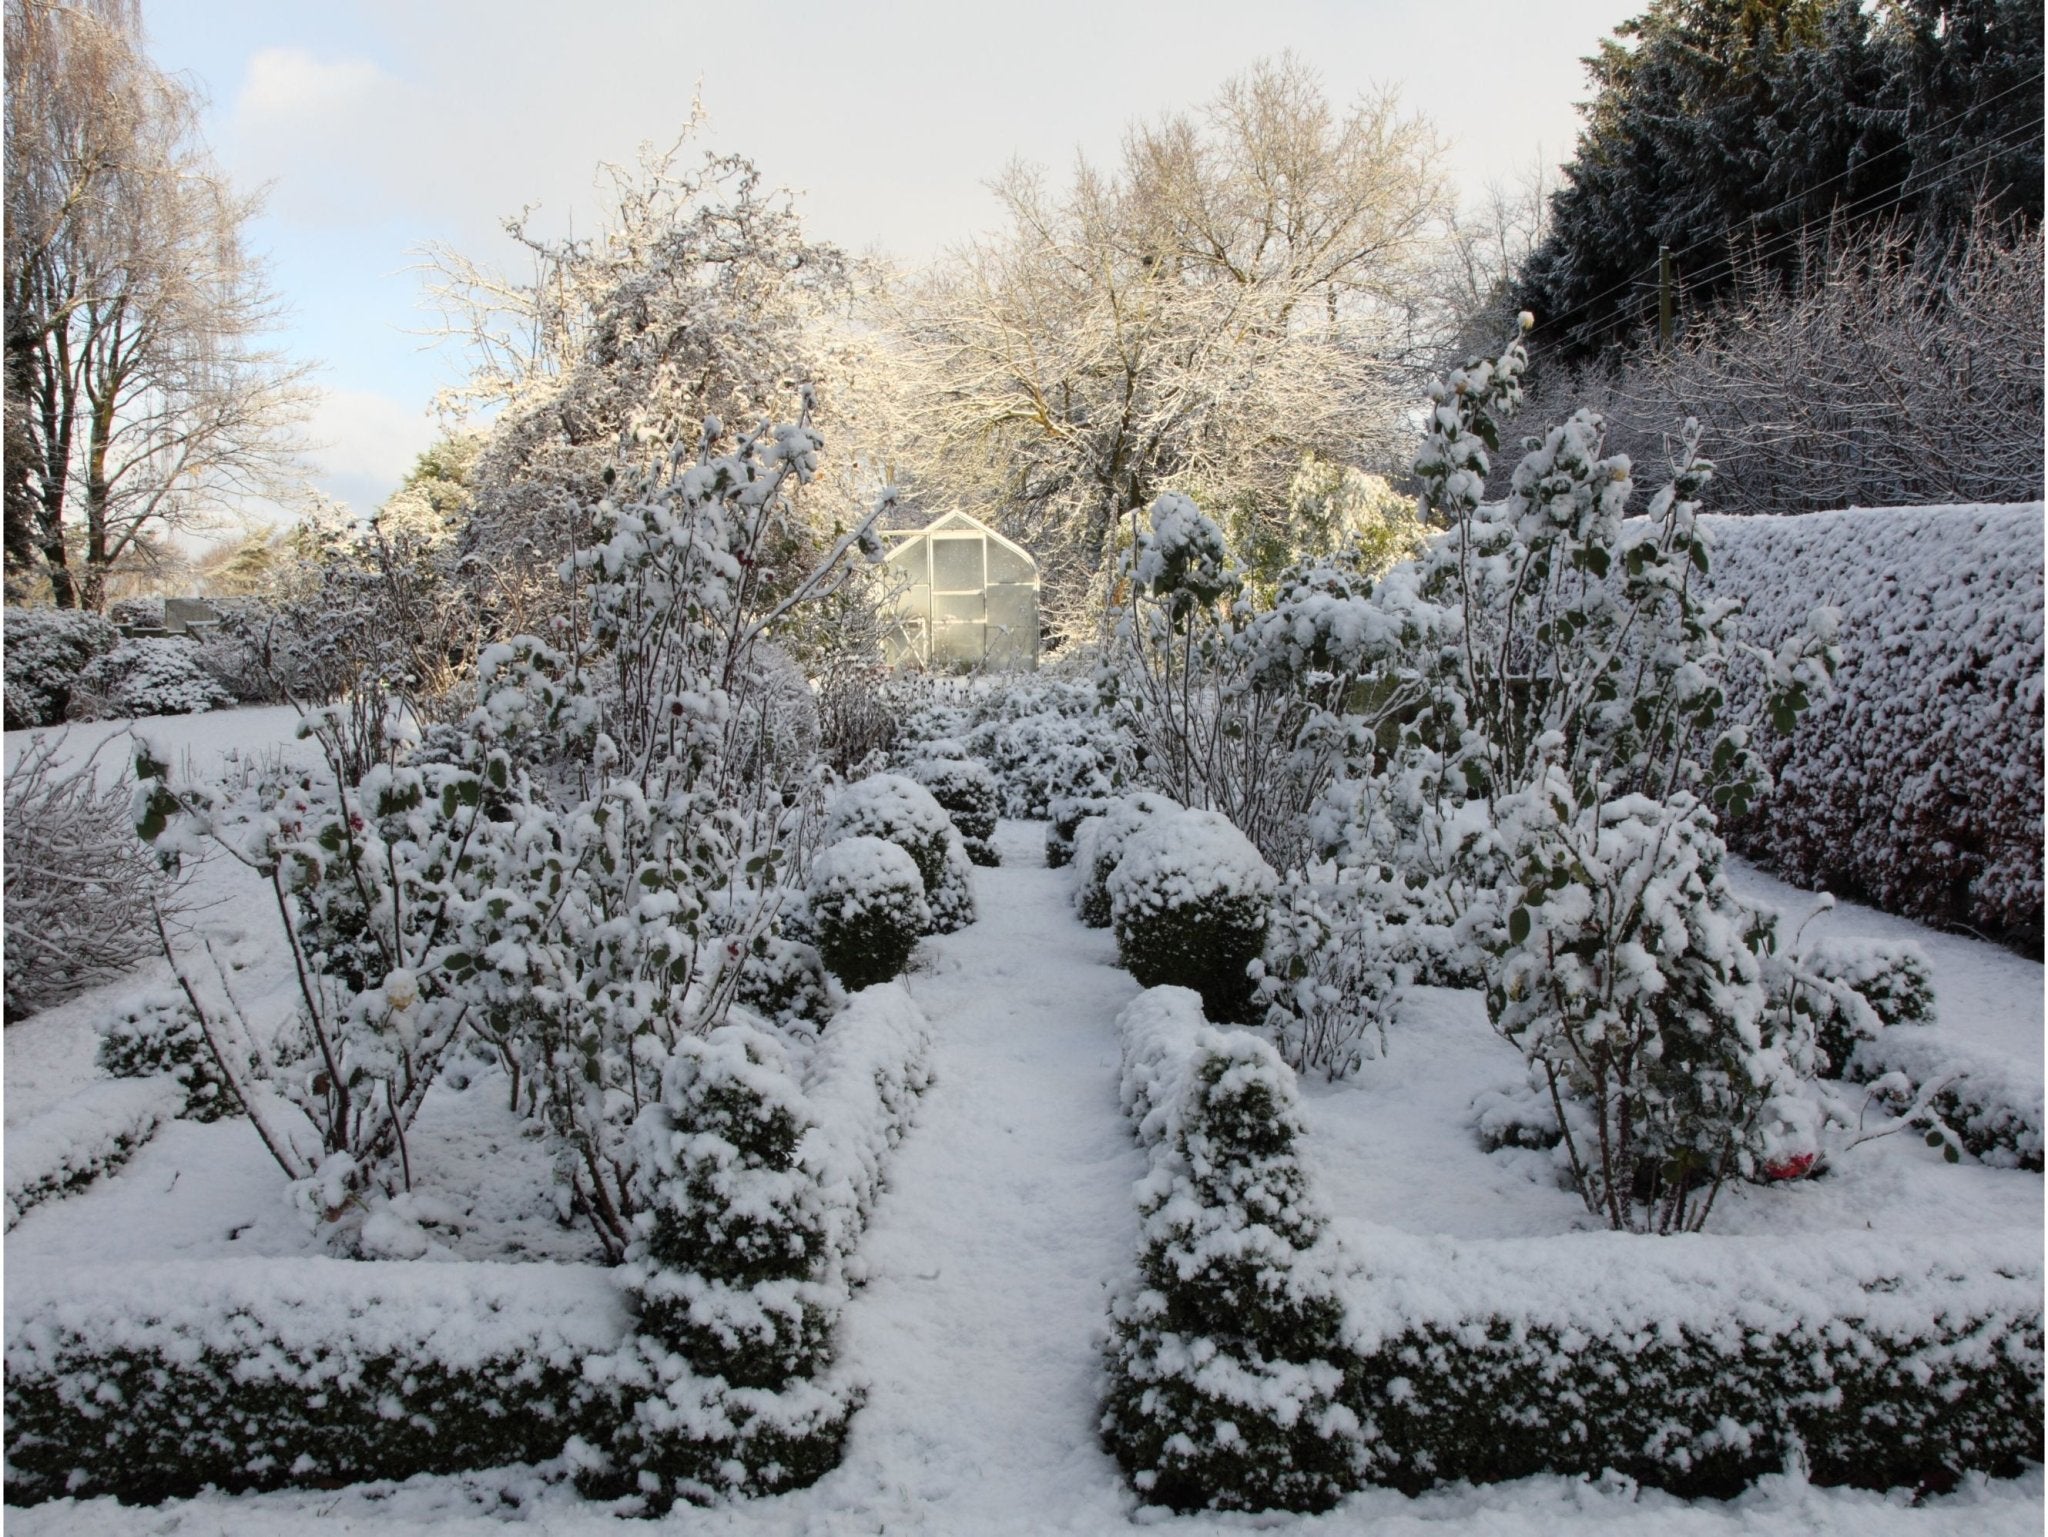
1744	136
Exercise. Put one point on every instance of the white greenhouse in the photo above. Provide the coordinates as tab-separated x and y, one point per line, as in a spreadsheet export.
966	598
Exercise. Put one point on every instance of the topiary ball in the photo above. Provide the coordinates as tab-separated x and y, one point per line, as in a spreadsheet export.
1189	900
867	908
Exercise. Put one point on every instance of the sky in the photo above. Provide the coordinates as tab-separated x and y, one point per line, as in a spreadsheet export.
379	126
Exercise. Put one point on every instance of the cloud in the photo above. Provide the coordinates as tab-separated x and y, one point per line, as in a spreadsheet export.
365	443
289	85
295	123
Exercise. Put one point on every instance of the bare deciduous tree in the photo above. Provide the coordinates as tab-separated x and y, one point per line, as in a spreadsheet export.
139	394
697	296
1252	284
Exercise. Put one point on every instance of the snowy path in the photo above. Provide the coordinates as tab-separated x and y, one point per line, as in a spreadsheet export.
1009	1210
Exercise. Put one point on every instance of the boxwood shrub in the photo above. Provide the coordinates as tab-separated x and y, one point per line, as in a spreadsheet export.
867	910
151	1384
1189	900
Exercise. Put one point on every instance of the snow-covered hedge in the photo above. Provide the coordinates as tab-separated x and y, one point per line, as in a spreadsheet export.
82	1137
154	675
863	1085
1099	844
867	909
756	1191
902	811
154	1382
1919	785
1697	1364
1189	900
1991	1104
1225	1361
729	1378
47	649
971	797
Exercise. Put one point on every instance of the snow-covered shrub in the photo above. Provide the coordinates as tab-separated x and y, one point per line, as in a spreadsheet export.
970	796
77	886
903	812
158	675
160	1036
1700	1366
1225	1356
783	979
867	909
576	868
1516	1115
1986	1104
1327	979
1891	975
738	1289
1627	980
1189	900
382	865
1889	978
47	650
81	1138
1064	819
1099	843
1044	737
1919	785
153	1382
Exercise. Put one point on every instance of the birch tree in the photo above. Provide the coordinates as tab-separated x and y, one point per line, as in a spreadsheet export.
140	394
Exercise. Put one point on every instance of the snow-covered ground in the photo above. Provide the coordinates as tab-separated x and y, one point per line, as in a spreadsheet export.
1009	1210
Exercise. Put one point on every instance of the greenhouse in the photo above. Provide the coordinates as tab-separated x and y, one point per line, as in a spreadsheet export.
966	598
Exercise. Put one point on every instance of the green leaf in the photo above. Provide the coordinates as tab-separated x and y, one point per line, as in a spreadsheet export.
1934	1139
1699	556
1518	926
1950	1155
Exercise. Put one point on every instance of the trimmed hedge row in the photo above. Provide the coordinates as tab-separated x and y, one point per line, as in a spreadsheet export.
1918	785
1690	1363
260	1374
1698	1364
257	1374
1224	1361
84	1137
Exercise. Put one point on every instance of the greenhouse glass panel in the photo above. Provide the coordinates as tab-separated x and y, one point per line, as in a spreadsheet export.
957	644
963	598
1006	565
956	564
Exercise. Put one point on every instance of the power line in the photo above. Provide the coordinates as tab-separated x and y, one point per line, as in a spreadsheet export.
1985	152
1804	194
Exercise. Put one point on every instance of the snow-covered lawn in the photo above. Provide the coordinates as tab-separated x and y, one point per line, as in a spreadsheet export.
1009	1213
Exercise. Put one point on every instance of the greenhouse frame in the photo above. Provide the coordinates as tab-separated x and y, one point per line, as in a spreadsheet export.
966	598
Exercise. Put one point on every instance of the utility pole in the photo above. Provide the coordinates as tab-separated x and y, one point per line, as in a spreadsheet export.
1664	298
